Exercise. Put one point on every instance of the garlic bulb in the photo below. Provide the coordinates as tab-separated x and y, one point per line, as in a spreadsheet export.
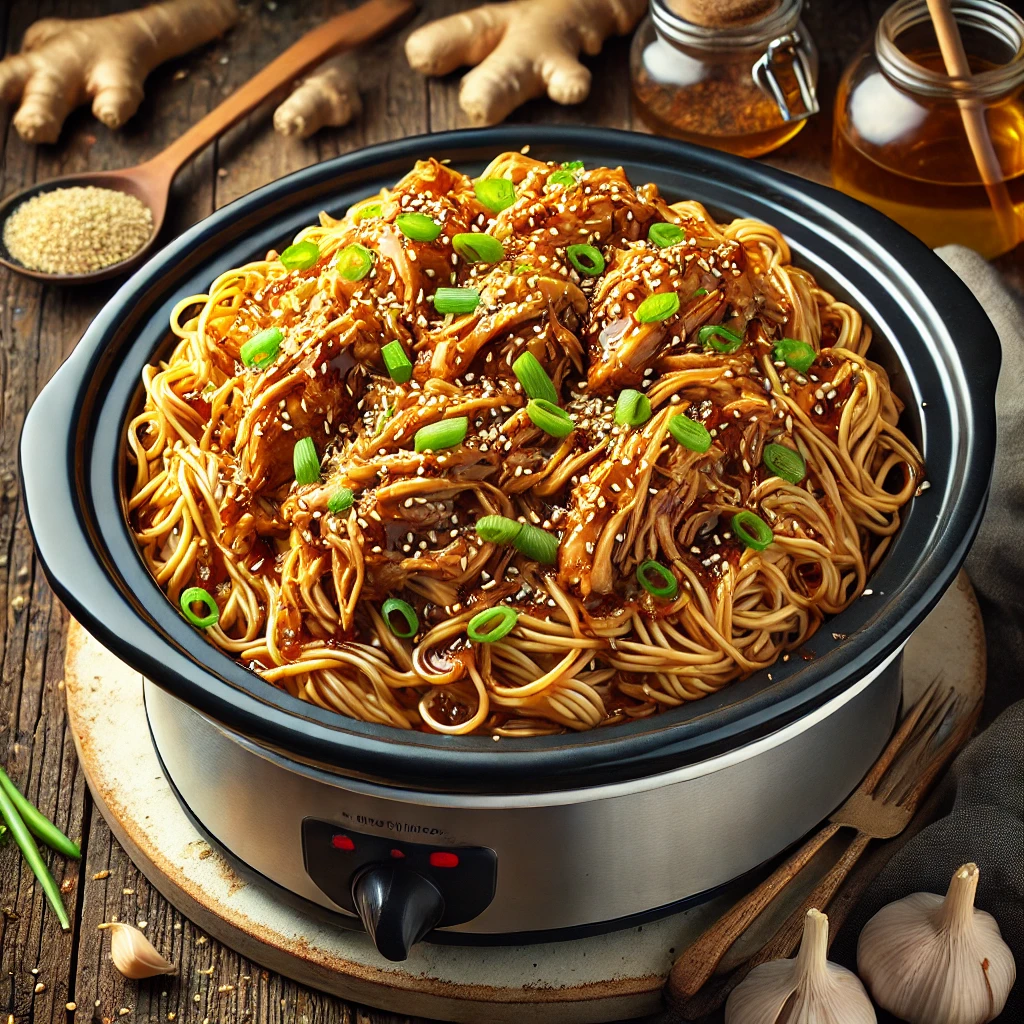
805	990
930	960
133	954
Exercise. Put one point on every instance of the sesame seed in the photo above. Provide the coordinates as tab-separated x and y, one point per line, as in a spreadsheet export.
77	230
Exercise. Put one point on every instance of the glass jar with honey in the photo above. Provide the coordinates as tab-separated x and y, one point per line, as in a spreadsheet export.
901	141
746	88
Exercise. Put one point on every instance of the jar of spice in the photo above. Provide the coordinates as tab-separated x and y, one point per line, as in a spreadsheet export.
745	87
901	140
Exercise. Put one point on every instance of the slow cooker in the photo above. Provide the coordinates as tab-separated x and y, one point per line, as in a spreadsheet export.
466	839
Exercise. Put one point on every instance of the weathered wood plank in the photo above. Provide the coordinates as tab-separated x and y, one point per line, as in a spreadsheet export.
39	326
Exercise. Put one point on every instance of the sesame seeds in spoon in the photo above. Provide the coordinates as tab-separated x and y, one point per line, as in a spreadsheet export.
77	230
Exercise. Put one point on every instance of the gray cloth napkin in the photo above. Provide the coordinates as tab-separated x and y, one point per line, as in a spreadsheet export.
983	792
982	796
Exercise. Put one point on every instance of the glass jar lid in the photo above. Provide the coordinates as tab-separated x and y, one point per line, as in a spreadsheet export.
777	35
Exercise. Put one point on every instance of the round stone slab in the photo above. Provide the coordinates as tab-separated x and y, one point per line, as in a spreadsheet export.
585	981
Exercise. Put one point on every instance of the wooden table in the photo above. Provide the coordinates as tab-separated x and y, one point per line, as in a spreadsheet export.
41	968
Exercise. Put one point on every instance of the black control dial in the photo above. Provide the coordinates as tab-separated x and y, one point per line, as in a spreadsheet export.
372	876
397	906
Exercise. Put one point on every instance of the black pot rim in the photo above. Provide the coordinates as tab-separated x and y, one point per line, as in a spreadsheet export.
946	357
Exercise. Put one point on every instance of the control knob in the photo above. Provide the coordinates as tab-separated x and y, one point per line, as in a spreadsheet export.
397	906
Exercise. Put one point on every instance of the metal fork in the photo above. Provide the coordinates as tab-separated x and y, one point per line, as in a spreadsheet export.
880	808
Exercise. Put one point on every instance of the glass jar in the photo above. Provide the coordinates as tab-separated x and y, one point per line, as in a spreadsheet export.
900	142
743	88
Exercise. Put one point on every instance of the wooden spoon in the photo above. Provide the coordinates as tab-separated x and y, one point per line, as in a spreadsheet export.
151	181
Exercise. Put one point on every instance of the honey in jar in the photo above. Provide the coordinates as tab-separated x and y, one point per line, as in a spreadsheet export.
900	142
746	88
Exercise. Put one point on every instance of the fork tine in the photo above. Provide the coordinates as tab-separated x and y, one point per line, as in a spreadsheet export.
917	744
930	740
967	720
922	736
899	739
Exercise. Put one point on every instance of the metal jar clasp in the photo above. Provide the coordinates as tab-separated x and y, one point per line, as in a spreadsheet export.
785	56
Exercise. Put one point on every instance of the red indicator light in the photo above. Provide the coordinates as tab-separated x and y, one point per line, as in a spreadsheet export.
444	859
397	854
342	843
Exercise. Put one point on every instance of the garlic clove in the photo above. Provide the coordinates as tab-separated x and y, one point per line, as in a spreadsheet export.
933	960
805	990
133	954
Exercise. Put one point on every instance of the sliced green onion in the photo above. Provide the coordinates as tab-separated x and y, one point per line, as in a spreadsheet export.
797	354
354	262
456	300
300	256
657	580
565	178
699	292
752	530
396	606
586	259
689	433
498	529
34	859
523	268
305	461
340	501
368	211
534	378
537	544
196	595
573	165
657	307
389	411
632	408
666	234
784	462
549	418
443	434
38	824
491	624
719	337
418	226
476	247
396	362
496	194
261	350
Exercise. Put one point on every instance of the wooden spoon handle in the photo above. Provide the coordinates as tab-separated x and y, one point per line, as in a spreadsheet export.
785	940
782	943
345	31
697	963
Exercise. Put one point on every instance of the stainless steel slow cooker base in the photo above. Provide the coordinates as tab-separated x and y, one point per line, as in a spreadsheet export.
606	977
556	861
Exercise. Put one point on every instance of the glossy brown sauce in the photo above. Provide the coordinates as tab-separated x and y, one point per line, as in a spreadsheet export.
587	333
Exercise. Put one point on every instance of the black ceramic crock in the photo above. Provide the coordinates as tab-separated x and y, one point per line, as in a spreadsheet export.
931	334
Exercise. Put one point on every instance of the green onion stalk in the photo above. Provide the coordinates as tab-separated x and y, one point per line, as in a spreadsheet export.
20	830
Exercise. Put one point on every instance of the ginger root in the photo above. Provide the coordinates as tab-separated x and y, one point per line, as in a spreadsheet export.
329	96
63	62
522	48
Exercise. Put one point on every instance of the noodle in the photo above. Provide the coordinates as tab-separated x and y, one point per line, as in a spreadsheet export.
299	589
